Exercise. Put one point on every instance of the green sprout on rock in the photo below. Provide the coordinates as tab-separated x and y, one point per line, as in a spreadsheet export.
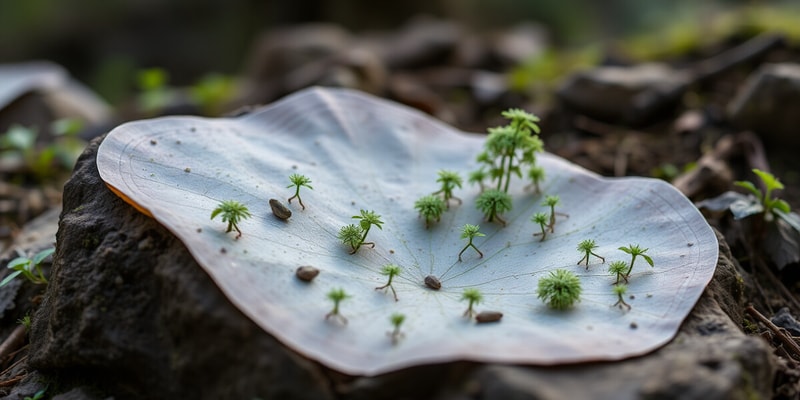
232	212
618	268
474	297
449	180
430	207
336	296
560	290
469	232
30	268
354	236
492	203
587	248
634	250
552	201
541	219
397	320
298	181
769	203
390	270
620	290
536	175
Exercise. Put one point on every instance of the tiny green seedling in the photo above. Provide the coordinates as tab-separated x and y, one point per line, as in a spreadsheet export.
336	296
390	270
25	322
397	320
536	176
541	219
618	268
30	268
560	290
493	203
552	201
354	236
430	207
449	180
470	232
769	203
298	181
477	177
620	290
474	297
232	212
587	248
634	250
39	395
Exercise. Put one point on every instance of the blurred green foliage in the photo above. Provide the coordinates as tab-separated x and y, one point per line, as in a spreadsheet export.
23	157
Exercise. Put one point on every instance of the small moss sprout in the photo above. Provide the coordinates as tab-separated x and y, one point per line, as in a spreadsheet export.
470	232
493	203
298	181
587	247
355	235
232	212
431	208
337	296
560	290
620	291
635	251
618	269
449	181
540	218
390	270
474	297
396	319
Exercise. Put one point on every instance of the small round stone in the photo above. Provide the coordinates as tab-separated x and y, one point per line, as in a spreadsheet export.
306	273
433	282
280	210
488	316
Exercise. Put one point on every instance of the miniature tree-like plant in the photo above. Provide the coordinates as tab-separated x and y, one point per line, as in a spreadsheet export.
474	297
336	296
298	181
355	236
470	232
620	290
493	203
477	177
390	270
449	180
587	248
634	250
430	207
536	175
541	219
560	290
397	320
232	212
618	268
552	201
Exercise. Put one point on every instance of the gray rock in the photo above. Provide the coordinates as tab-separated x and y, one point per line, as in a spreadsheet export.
630	95
128	306
767	103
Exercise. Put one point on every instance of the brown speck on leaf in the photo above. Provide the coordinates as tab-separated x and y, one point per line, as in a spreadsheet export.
223	250
187	170
153	142
306	273
433	282
634	325
632	297
199	230
391	251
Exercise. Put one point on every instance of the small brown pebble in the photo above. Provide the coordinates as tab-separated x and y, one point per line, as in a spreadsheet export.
153	142
187	169
634	325
488	316
306	273
280	210
433	282
223	250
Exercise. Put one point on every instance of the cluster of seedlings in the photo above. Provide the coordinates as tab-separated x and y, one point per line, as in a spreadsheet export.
508	151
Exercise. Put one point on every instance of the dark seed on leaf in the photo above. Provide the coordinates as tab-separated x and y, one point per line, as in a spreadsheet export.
433	282
488	316
306	273
279	209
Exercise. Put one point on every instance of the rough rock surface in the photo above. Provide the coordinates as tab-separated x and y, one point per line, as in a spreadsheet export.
767	103
129	307
630	95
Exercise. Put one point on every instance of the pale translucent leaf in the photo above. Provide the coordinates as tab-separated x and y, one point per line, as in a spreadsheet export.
365	153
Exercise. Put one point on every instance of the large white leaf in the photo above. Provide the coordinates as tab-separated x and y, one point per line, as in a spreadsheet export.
365	153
